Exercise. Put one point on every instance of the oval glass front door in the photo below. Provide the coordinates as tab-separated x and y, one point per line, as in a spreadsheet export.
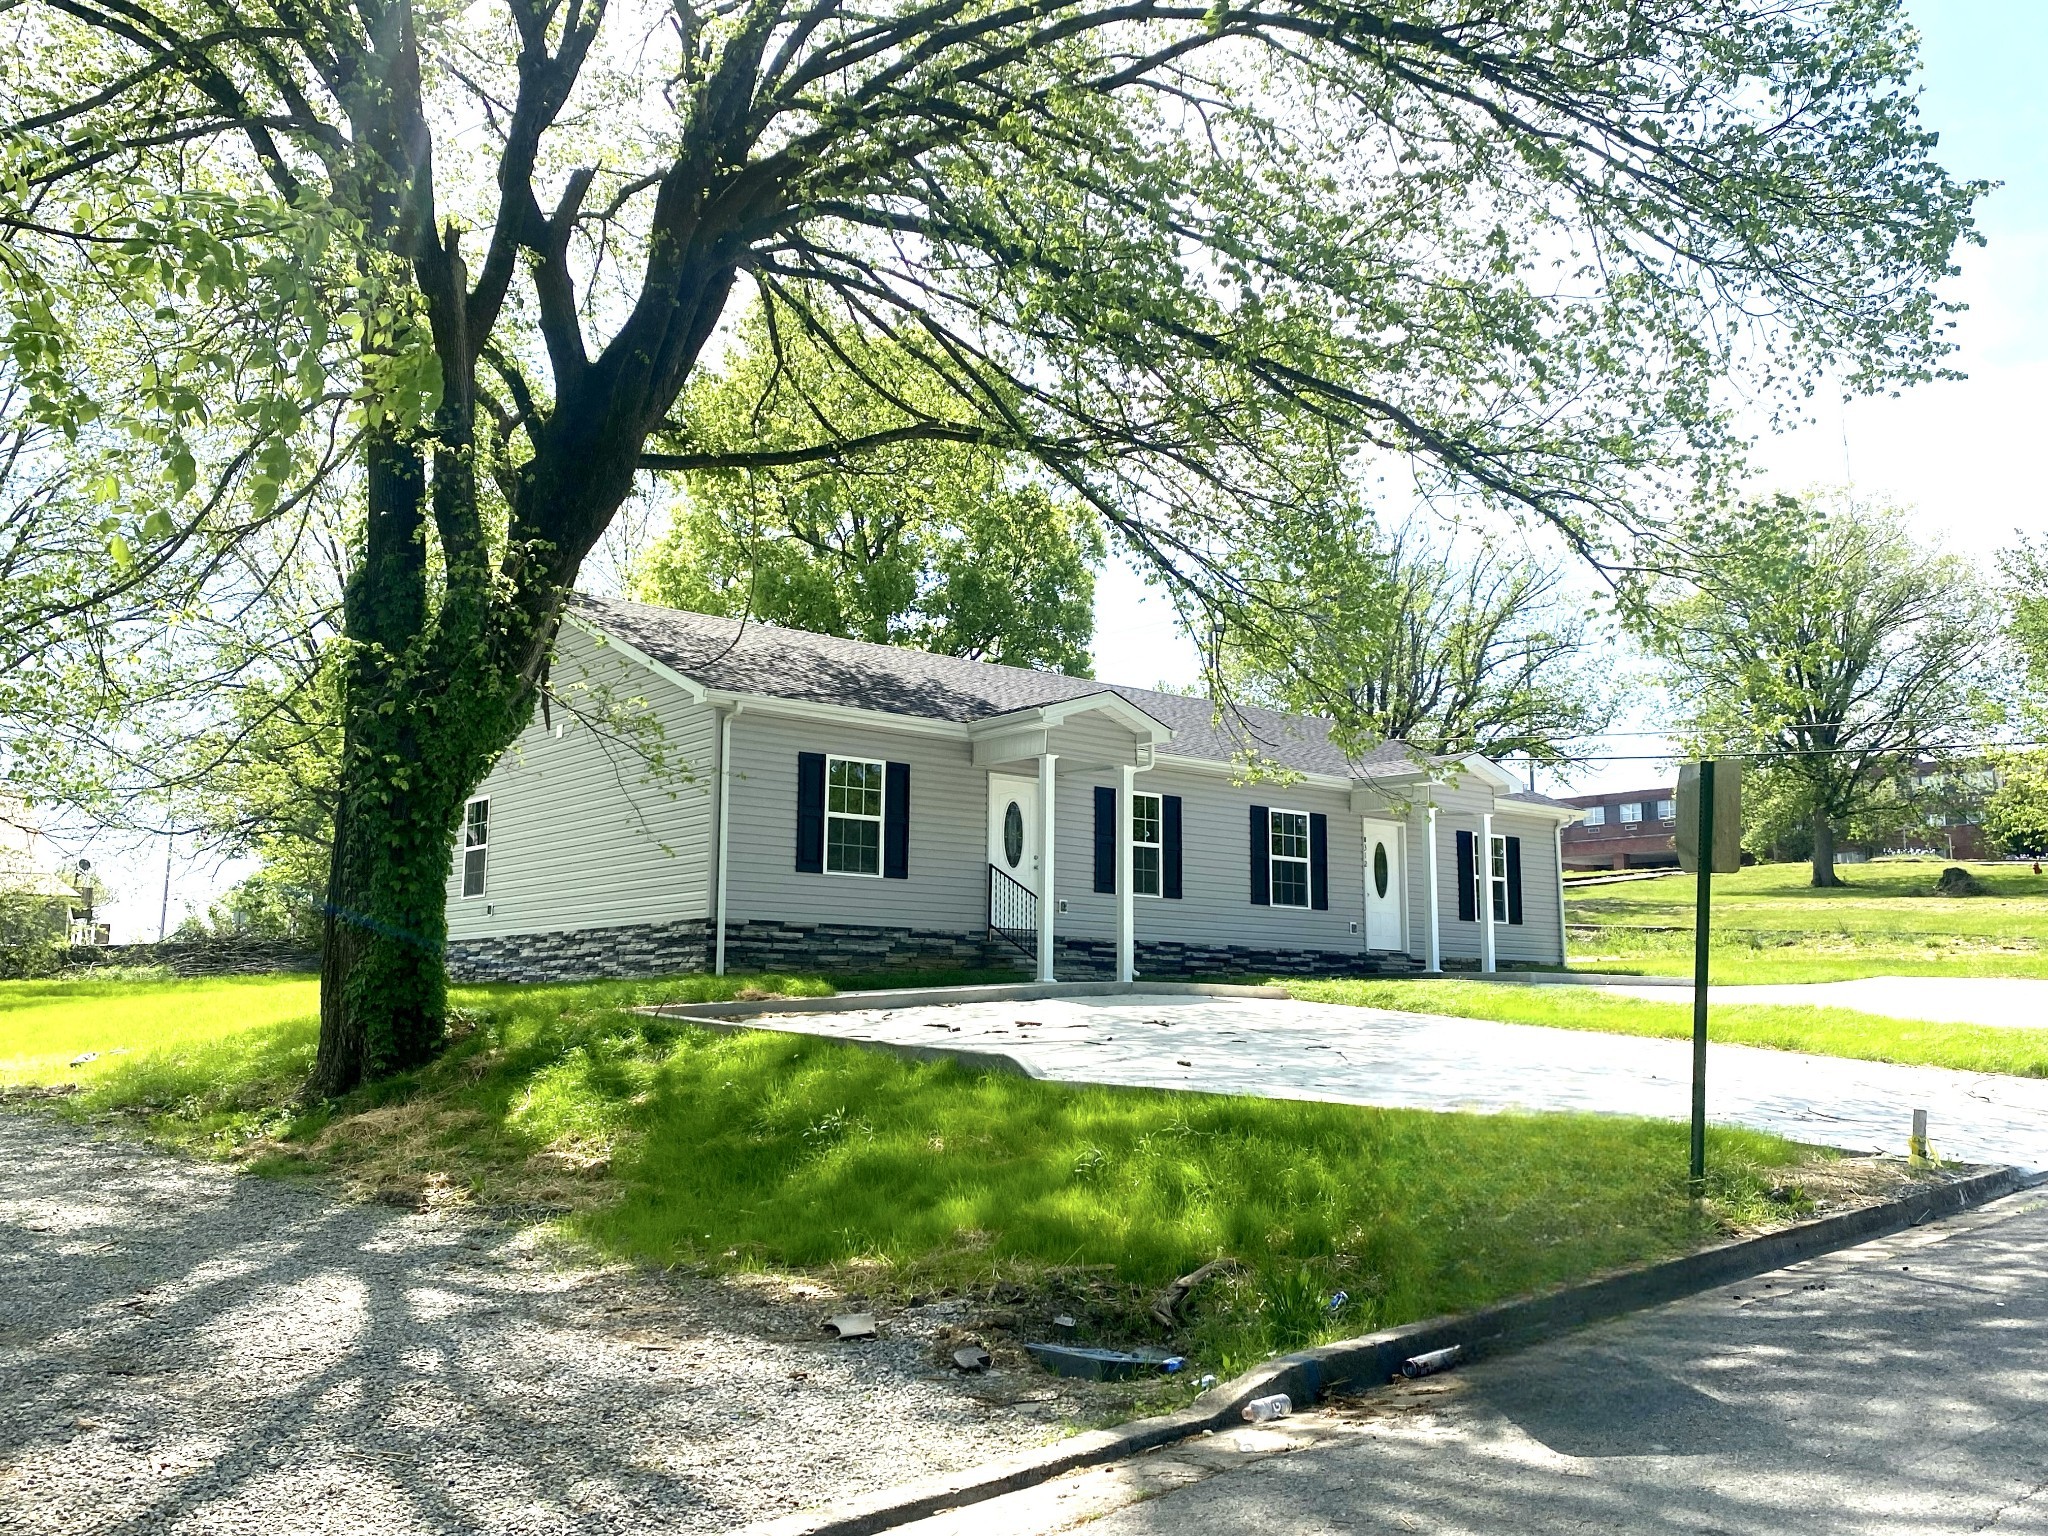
1379	868
1013	834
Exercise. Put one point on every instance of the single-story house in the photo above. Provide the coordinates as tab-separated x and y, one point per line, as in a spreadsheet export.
705	794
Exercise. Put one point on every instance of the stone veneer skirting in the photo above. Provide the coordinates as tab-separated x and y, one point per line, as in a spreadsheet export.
665	949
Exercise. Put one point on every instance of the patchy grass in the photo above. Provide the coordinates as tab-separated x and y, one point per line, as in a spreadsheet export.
1770	925
1821	1031
667	1144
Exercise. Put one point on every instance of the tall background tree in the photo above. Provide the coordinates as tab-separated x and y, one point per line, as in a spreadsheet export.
1407	637
2015	813
902	538
1815	637
479	251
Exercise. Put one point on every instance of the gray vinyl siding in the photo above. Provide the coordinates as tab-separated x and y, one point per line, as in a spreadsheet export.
948	885
586	832
1216	907
1534	939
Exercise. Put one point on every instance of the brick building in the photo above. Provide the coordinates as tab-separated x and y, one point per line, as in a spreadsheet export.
1622	829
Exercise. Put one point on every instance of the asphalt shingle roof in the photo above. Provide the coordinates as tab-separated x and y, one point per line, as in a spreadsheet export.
773	662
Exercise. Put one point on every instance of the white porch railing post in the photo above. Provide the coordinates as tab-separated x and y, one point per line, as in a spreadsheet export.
1486	893
1436	949
1126	826
1047	837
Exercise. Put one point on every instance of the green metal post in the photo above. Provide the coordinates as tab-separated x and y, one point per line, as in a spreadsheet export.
1701	918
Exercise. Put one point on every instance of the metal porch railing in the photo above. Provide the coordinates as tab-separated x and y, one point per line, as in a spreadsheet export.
1012	912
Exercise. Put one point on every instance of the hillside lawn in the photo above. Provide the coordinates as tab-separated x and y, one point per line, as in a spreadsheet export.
1770	925
653	1141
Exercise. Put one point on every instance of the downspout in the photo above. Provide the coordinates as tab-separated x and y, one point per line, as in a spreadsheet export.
724	819
1436	951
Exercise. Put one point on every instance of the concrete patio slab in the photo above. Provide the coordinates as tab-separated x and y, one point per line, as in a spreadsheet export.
1299	1050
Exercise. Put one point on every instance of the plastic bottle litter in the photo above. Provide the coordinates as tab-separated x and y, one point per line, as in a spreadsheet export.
1207	1381
1172	1364
1263	1410
1337	1301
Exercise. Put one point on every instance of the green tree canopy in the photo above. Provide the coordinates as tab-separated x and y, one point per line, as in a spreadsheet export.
1402	637
473	255
955	547
1816	637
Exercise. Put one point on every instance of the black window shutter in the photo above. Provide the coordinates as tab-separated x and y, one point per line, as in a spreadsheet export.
896	822
1105	840
810	813
1514	880
1468	909
1262	859
1319	861
1169	847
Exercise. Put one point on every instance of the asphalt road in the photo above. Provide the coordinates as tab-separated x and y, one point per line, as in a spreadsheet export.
1897	1388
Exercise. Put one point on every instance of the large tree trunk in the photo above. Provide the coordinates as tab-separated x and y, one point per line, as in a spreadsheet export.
1823	851
427	705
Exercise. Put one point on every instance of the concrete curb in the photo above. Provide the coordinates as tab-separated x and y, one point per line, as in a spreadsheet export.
1356	1364
918	997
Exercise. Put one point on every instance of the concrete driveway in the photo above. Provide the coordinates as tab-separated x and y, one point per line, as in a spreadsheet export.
2006	1002
1296	1050
1897	1388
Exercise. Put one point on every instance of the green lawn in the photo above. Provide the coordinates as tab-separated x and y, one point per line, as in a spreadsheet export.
1771	925
667	1144
1822	1031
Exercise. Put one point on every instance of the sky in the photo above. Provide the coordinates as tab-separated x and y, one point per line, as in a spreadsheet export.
1964	455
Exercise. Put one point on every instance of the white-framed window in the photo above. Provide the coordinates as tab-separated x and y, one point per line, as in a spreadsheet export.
1631	813
1289	833
1147	845
1596	815
1667	810
1497	877
476	845
853	816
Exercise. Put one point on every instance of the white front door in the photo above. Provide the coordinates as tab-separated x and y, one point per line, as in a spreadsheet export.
1383	925
1013	828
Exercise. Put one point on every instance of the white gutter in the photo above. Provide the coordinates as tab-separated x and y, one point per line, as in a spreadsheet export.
724	817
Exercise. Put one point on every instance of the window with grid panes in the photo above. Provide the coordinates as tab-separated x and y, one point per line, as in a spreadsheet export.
853	816
1289	831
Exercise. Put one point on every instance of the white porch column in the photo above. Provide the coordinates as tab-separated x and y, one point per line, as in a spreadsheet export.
1564	942
1046	839
1485	862
1126	825
1436	948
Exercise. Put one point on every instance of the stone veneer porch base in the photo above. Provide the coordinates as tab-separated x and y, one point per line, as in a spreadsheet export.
666	949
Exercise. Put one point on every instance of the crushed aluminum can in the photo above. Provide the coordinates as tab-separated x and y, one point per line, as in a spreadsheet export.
1418	1366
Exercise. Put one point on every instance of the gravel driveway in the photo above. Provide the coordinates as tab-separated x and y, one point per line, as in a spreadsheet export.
186	1350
